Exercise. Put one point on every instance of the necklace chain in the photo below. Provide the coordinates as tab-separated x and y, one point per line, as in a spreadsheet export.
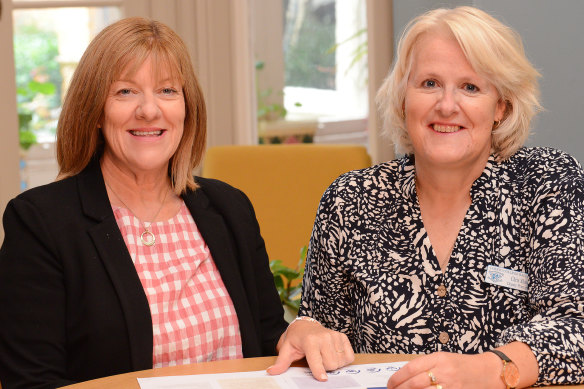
147	237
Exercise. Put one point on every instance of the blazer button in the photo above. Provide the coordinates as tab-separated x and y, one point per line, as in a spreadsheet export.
443	337
441	291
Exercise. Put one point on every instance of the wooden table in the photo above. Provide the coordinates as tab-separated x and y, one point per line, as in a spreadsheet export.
129	380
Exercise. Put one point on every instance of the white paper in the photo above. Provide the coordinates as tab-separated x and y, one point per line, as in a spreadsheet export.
370	376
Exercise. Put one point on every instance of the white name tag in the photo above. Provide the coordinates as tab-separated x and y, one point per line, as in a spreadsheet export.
508	278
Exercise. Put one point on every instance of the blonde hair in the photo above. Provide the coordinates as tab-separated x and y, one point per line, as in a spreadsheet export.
129	42
494	51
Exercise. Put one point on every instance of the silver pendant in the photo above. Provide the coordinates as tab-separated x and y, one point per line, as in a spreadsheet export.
151	239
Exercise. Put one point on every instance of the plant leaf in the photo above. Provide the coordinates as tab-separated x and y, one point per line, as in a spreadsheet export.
45	88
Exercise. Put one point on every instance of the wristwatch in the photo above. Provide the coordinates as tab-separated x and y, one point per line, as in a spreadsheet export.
510	373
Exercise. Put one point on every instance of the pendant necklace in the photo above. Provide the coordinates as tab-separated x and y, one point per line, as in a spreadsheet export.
147	237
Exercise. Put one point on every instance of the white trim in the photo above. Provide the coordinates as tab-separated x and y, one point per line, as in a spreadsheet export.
352	131
380	50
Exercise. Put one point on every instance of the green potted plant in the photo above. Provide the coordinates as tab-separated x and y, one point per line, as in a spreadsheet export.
289	284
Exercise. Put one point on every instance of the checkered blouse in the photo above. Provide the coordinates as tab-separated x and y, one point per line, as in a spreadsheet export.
193	317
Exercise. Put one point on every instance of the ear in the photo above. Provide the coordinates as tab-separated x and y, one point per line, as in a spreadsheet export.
501	110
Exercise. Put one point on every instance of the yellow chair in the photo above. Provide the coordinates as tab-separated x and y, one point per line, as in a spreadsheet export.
285	184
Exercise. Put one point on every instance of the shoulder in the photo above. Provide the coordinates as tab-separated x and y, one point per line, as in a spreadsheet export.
379	176
545	174
539	165
54	195
372	181
364	188
217	189
536	158
224	197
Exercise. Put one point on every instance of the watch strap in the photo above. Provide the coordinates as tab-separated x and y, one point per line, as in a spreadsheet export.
506	360
501	355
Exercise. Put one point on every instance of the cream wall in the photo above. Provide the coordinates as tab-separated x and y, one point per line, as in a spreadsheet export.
9	177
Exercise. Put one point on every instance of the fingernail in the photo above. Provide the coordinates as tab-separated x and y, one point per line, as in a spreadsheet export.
323	377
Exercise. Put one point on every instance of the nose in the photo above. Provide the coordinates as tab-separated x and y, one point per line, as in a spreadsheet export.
148	108
447	103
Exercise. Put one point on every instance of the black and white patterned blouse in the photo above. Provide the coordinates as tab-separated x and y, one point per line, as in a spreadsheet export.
372	273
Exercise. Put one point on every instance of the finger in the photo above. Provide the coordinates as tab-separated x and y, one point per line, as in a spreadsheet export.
420	380
349	355
316	365
332	351
283	361
343	351
413	369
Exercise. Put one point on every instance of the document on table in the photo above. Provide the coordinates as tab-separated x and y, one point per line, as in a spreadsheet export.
370	376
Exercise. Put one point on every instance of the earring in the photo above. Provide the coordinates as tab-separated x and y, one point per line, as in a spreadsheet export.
496	124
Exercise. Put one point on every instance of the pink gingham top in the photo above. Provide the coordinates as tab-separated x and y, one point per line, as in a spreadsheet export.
193	317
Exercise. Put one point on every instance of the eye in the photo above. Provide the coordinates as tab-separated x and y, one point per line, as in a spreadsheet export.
169	91
429	83
472	88
124	91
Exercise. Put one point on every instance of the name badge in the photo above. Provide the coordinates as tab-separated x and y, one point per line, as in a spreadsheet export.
508	278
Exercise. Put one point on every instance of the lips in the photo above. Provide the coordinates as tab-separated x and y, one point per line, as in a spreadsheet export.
146	133
443	128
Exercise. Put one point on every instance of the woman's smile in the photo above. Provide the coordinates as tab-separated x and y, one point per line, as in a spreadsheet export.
146	133
444	128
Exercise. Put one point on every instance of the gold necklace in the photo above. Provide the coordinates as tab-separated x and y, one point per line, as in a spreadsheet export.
147	237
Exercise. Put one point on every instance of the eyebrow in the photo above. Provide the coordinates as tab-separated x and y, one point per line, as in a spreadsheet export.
167	79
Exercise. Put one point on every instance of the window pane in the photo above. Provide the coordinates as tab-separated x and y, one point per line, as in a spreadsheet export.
309	38
48	44
325	55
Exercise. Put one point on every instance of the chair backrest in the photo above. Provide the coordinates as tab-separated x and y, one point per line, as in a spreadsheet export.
285	184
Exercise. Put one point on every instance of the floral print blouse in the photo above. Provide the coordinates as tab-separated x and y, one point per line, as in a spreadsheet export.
372	273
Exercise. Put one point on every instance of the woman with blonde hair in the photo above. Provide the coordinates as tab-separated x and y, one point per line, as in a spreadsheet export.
469	247
128	261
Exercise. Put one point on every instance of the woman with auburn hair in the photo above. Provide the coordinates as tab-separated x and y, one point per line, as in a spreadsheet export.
469	247
127	261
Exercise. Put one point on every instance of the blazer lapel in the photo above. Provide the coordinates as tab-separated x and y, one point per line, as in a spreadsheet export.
114	254
223	249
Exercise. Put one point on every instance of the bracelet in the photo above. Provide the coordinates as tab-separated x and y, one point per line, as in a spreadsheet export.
304	318
299	318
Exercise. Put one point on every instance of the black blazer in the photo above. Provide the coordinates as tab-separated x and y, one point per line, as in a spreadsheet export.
72	307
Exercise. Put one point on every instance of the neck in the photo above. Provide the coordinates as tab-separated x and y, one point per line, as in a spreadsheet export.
146	196
446	185
136	189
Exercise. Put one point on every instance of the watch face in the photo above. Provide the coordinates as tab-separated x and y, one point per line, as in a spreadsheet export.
511	374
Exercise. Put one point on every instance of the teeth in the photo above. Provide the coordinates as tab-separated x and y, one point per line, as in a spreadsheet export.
146	133
443	128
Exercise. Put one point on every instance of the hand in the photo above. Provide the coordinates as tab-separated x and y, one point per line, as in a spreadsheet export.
451	371
324	349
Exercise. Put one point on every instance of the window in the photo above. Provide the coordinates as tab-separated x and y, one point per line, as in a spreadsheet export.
48	44
325	49
315	72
